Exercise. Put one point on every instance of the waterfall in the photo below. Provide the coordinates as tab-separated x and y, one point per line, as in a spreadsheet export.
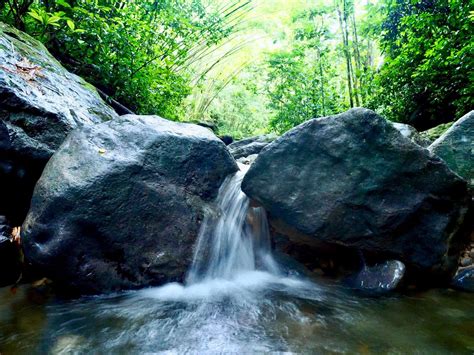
233	256
237	240
234	293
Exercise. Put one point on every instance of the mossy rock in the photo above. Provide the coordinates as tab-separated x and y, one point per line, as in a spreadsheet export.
40	104
456	147
434	133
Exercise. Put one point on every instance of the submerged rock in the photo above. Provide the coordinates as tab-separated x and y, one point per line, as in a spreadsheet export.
464	279
353	180
456	147
380	278
119	205
250	146
40	103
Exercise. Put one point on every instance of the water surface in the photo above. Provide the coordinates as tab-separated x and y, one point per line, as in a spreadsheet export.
253	313
238	299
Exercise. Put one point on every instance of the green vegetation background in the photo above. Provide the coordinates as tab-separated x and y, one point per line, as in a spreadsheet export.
250	67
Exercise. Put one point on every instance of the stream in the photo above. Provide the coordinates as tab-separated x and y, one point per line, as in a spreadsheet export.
239	298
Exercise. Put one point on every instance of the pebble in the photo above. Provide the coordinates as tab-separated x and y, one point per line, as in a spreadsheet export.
471	254
466	261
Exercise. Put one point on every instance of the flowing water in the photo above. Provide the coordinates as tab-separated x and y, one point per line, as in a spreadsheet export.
238	299
236	242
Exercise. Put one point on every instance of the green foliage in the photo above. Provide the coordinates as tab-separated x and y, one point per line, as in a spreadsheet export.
298	91
197	60
427	77
235	105
137	51
308	79
240	110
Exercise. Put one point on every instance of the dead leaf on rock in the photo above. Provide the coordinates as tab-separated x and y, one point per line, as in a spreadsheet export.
25	69
28	70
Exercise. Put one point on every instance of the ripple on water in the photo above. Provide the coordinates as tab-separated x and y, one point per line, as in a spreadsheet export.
257	313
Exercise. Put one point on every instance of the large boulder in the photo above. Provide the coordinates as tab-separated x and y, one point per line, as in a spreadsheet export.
40	103
250	146
456	147
120	203
353	180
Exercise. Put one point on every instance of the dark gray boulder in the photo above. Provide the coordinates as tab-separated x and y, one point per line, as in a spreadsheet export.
119	204
40	103
378	279
250	146
353	180
456	147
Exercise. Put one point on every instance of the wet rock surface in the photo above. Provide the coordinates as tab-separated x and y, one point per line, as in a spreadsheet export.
40	103
119	205
378	279
354	180
464	279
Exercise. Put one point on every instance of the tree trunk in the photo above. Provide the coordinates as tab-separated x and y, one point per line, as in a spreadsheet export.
345	43
321	73
357	58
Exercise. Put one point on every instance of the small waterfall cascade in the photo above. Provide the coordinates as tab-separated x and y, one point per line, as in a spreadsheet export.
237	240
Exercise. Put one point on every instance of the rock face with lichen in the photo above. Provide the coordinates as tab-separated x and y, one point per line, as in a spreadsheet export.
119	204
456	147
354	180
40	103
